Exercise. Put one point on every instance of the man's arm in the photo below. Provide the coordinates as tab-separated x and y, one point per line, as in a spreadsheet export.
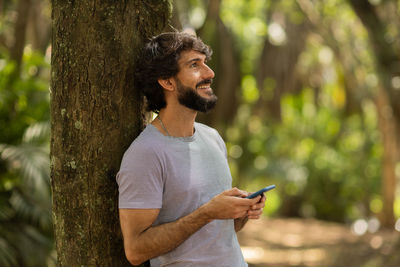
253	213
143	242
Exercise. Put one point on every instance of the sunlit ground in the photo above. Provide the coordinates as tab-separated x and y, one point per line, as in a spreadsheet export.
308	257
296	242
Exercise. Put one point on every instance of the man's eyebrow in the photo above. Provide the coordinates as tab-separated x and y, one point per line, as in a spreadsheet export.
192	60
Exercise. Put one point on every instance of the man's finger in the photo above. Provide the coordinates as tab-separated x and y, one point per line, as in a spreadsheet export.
233	192
259	205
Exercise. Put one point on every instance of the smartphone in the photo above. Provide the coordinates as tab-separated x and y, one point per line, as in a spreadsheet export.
259	192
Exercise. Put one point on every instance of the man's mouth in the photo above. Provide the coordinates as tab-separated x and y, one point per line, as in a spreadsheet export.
204	84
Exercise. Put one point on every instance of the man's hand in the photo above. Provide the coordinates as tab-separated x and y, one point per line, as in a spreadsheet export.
257	209
254	212
231	204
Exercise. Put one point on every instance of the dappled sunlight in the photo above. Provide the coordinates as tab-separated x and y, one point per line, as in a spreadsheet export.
376	242
308	257
309	242
292	240
397	225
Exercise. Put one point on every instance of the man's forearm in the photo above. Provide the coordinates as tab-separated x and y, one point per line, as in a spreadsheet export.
142	244
160	239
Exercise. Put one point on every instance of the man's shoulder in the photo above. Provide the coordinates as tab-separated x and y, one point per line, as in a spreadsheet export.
205	128
211	134
147	142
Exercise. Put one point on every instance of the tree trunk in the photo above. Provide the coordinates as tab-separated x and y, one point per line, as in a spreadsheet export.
273	80
387	127
95	115
386	56
17	50
38	32
225	63
350	83
388	66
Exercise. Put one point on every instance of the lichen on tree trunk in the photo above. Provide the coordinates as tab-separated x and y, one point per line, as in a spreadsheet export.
95	115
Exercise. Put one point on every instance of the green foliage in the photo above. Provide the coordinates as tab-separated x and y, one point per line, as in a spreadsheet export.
26	235
25	100
326	163
247	20
324	166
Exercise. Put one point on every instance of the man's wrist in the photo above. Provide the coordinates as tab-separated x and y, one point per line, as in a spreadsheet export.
204	214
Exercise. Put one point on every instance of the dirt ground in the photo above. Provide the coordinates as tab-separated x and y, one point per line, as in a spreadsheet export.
313	243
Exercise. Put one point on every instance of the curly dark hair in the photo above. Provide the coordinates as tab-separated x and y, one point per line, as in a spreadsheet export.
159	60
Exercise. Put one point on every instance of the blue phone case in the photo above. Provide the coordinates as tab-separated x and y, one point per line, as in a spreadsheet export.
259	192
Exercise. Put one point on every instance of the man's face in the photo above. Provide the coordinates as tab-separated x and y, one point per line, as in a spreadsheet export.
193	82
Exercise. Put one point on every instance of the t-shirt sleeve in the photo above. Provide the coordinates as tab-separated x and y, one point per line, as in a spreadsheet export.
139	179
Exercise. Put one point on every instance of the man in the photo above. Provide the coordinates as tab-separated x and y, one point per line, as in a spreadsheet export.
176	203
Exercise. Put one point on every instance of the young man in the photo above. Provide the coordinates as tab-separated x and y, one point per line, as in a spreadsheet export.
176	201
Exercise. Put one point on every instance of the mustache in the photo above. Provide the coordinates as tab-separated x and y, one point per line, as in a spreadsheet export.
207	81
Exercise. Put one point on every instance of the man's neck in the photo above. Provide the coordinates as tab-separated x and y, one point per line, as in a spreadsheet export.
177	120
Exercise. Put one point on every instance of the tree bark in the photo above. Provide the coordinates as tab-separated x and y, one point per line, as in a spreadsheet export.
95	115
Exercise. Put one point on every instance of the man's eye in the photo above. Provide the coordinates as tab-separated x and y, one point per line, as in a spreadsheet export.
193	65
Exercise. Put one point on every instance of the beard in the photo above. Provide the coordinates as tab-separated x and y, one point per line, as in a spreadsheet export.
188	97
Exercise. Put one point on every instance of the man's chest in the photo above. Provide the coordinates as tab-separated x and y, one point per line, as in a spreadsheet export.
191	177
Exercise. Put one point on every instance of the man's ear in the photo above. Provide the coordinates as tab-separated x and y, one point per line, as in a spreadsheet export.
167	84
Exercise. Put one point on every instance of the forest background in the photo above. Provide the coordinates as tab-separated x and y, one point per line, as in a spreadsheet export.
307	101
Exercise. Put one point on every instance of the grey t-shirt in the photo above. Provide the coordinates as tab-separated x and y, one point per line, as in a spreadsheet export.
177	176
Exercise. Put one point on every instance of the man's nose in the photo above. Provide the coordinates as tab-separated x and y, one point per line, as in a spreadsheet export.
208	72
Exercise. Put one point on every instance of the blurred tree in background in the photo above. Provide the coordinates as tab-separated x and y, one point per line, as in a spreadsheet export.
382	23
26	232
309	100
